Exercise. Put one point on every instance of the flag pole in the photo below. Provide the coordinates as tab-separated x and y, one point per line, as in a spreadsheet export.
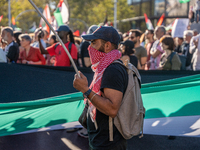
72	61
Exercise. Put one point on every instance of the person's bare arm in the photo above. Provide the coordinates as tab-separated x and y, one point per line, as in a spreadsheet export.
35	63
87	61
155	54
109	104
143	62
124	58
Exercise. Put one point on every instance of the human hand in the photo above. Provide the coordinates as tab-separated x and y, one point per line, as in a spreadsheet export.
24	61
80	83
21	49
40	33
196	43
30	62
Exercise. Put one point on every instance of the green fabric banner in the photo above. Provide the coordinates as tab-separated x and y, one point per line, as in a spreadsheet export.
177	97
184	1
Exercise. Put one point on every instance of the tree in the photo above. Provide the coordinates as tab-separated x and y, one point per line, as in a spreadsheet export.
82	12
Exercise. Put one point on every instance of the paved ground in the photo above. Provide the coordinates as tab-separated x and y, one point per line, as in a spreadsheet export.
61	140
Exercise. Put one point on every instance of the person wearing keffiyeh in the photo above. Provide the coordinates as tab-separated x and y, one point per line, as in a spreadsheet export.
106	91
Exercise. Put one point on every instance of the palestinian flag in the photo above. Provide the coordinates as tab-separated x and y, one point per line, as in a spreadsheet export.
172	106
170	26
148	22
61	13
184	1
47	15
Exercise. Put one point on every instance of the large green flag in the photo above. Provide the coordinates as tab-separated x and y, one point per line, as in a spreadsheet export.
172	108
184	1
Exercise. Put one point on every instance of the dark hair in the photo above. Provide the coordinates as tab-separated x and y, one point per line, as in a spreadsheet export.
113	45
180	38
136	31
129	45
16	36
8	29
167	40
71	37
54	38
151	31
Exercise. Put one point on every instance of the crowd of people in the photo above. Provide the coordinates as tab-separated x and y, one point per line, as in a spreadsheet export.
151	50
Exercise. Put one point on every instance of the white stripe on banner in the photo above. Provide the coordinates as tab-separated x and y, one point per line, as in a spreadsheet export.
175	126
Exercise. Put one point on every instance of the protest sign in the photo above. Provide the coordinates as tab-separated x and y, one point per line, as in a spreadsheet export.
180	25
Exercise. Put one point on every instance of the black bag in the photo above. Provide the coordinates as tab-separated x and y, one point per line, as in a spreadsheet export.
83	117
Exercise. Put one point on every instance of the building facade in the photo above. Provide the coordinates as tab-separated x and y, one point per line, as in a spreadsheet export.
155	8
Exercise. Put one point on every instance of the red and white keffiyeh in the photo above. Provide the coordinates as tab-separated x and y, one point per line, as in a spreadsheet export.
100	61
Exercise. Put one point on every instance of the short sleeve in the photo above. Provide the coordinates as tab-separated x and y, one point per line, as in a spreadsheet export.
143	52
51	50
74	52
115	77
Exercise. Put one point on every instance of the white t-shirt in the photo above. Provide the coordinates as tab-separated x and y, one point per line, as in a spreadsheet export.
3	56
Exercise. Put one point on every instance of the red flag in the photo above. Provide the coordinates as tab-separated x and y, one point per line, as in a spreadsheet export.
160	21
77	33
47	15
1	17
13	21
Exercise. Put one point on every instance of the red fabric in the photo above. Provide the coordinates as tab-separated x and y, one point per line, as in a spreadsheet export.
160	21
62	58
100	61
33	55
76	33
146	18
1	17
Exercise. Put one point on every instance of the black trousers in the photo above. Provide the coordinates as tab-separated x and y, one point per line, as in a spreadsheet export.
121	146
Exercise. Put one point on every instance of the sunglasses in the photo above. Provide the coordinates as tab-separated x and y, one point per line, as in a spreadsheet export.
132	37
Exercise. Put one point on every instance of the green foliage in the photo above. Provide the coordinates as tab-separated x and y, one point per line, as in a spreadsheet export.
83	13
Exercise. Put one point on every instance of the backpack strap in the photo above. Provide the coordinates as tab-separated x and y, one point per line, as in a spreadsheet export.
110	128
56	46
131	67
69	46
171	56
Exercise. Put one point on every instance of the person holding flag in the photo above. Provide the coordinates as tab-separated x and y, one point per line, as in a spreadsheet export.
61	57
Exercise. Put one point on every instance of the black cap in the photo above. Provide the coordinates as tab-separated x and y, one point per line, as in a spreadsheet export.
63	28
105	33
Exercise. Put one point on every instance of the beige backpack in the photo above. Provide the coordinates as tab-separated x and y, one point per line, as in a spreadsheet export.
130	118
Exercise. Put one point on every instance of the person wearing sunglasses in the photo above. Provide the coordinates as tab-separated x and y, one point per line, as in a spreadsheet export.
140	51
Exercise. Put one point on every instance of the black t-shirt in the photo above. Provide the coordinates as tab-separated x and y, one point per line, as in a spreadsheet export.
13	52
185	51
84	51
115	77
134	60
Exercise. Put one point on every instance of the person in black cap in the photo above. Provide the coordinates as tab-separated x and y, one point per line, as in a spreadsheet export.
106	90
61	57
127	48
